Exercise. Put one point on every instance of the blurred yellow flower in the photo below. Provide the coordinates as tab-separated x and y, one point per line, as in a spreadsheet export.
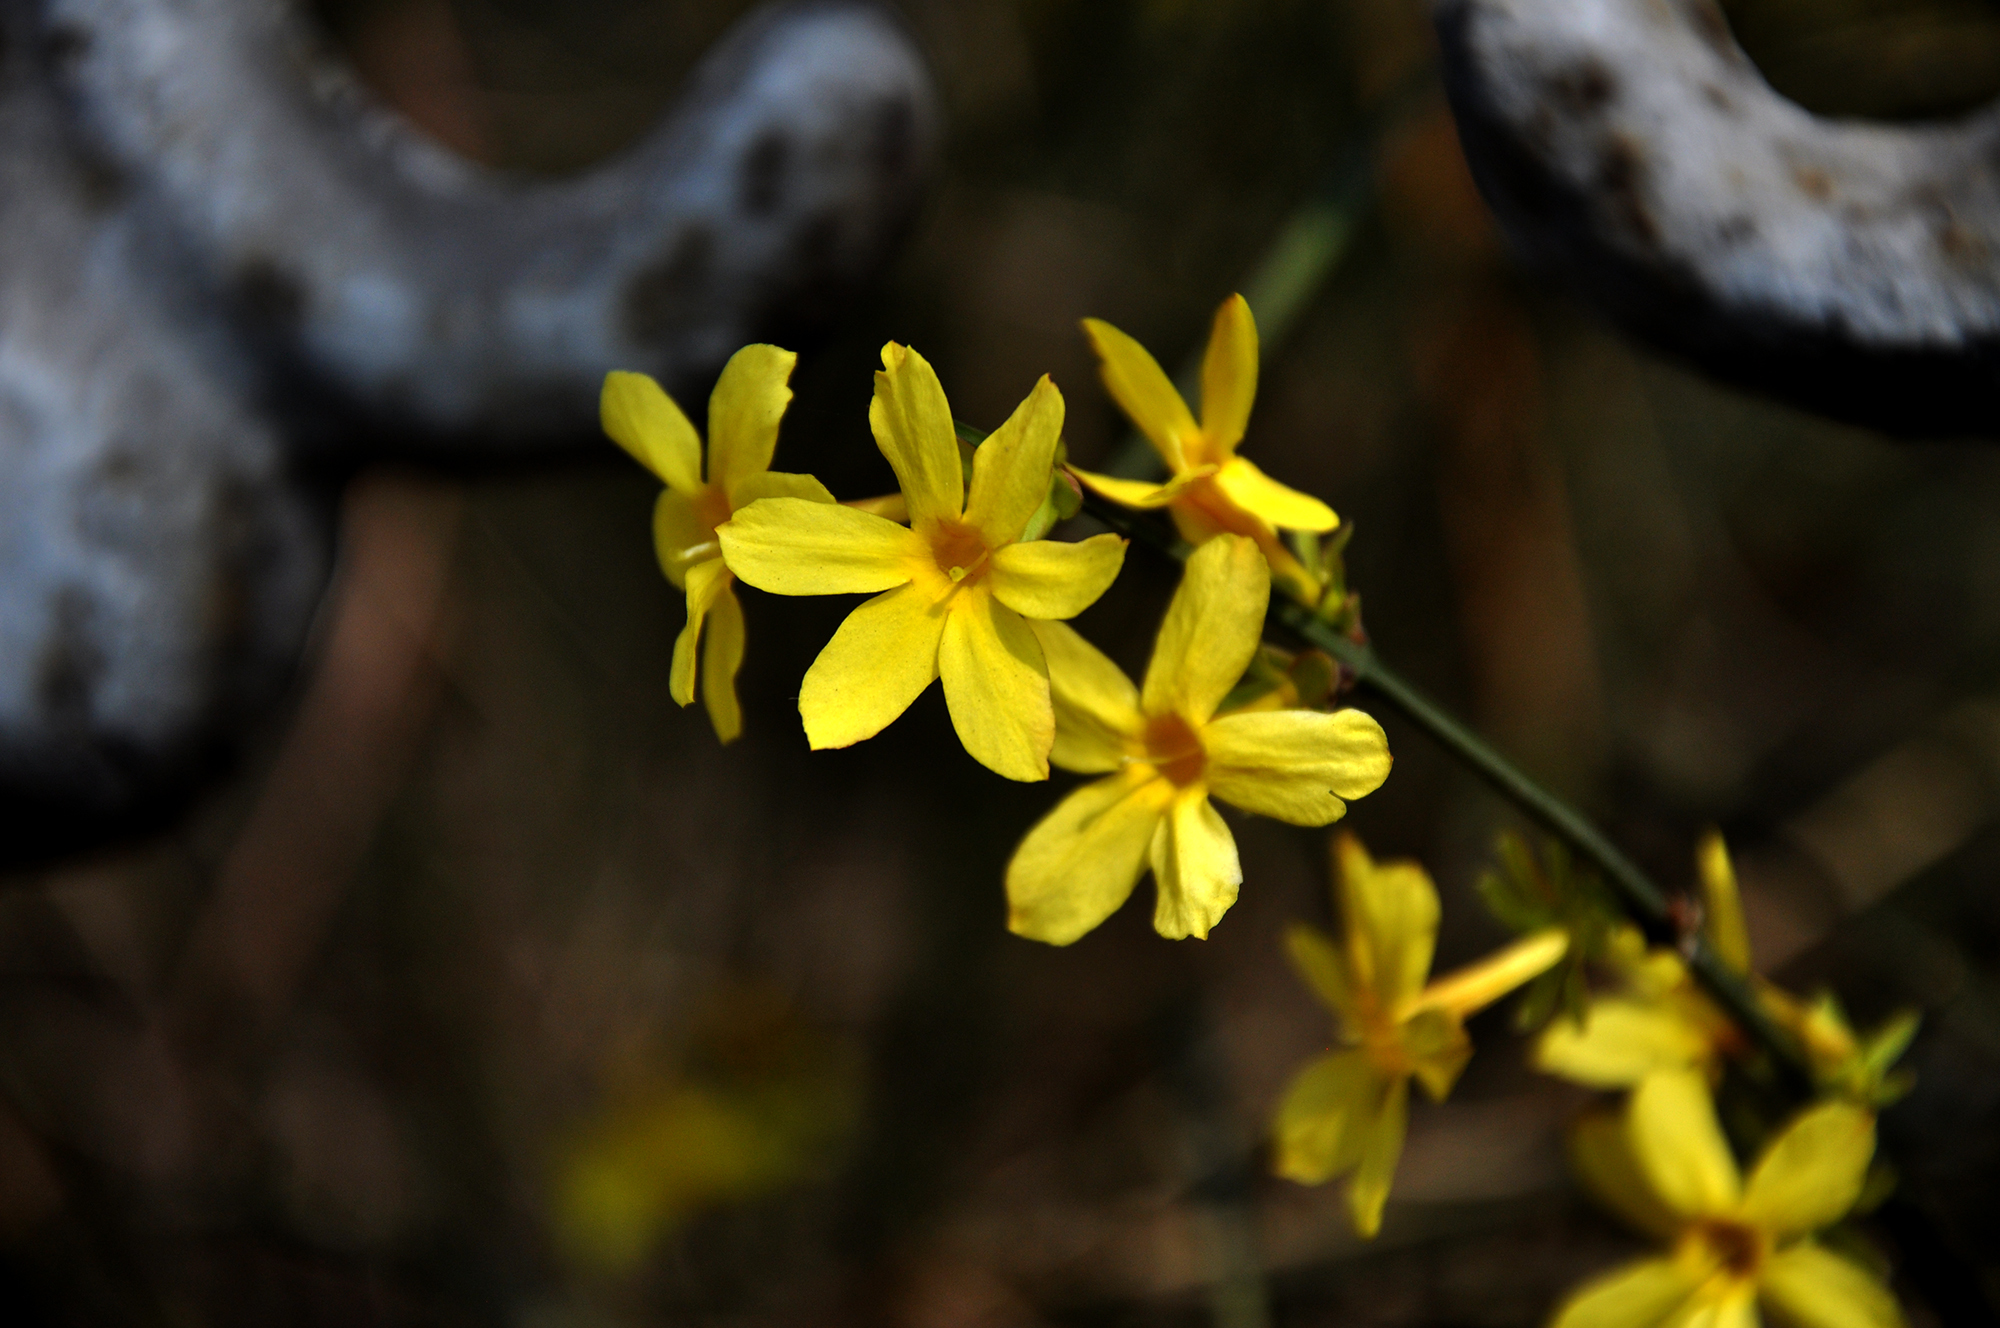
1209	488
1661	1019
1346	1111
743	414
757	1100
954	593
1167	751
1733	1246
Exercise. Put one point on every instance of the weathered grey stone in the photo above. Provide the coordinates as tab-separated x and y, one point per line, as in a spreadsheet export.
1632	147
225	268
480	310
158	567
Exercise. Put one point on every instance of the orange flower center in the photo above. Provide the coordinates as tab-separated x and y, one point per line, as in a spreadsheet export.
1734	1247
711	508
959	551
1174	749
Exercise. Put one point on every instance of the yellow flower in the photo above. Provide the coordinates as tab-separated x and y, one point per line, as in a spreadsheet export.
1346	1111
743	414
954	593
1166	752
1209	490
1661	1019
1732	1246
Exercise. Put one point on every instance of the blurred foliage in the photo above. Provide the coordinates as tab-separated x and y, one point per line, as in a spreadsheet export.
1528	891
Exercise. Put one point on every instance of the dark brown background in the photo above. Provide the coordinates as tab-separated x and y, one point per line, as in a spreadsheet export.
489	885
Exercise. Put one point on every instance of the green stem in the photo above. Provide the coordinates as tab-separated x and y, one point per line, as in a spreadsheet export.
1643	901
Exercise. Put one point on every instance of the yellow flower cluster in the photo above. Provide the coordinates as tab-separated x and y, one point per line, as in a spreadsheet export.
1731	1245
1658	1018
966	593
1734	1248
965	590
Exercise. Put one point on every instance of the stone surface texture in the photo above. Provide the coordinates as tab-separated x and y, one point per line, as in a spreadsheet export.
228	277
1631	147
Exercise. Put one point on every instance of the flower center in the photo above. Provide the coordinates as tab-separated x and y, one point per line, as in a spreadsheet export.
711	507
959	551
1174	749
1734	1247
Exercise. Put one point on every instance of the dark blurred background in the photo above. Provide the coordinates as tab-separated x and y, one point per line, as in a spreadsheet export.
512	998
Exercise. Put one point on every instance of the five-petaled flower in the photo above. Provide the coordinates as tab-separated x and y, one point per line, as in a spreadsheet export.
954	593
1663	1165
1167	751
1346	1111
743	414
1209	489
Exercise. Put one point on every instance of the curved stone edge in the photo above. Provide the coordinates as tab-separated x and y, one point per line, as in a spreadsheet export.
468	314
1632	149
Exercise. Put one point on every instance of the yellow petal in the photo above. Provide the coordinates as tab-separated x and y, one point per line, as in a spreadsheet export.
1324	1117
1096	705
1476	986
1679	1148
1811	1173
1621	1042
882	657
997	687
776	484
1647	1294
1195	867
1229	375
1812	1287
1211	630
1295	765
1319	961
1051	579
889	506
1260	495
743	413
1139	493
912	424
1080	862
1390	913
1600	1151
1734	1307
795	546
706	581
721	657
1722	905
1381	1149
643	419
1012	468
1143	391
679	537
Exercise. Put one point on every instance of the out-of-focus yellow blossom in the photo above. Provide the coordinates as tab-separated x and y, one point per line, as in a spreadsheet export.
1346	1111
759	1100
1165	752
1661	1019
954	593
1209	489
1733	1246
743	415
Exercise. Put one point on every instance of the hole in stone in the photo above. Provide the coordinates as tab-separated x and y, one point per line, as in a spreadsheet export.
546	86
1883	59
